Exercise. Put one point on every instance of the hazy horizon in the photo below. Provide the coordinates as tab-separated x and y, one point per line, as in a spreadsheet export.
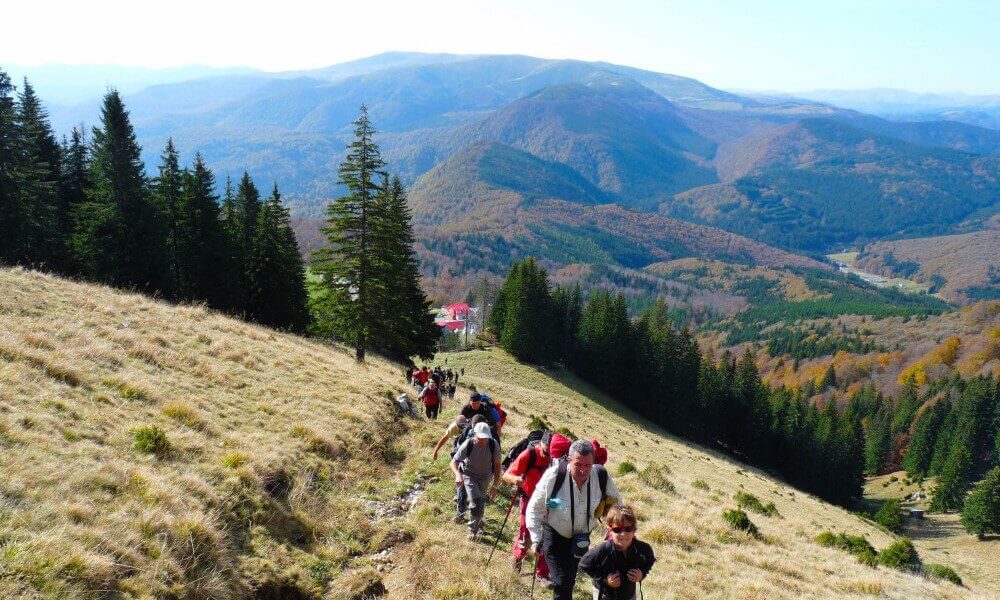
915	45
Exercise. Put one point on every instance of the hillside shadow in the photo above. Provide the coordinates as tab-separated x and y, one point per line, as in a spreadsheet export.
932	528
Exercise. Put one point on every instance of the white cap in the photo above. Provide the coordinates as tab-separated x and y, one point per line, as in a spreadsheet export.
482	430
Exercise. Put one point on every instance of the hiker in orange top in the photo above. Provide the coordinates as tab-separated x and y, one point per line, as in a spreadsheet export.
524	473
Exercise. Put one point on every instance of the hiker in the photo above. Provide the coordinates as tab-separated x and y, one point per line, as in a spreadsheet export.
524	473
420	377
454	429
568	503
618	564
464	433
432	400
476	406
451	391
474	464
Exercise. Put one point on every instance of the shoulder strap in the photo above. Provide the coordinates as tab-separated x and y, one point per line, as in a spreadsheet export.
602	478
532	459
560	476
494	449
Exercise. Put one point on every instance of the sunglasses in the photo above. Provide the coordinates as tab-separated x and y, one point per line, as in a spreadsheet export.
621	529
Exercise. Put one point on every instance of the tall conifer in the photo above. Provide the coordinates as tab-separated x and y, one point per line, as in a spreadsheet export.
350	265
118	238
167	190
39	185
12	222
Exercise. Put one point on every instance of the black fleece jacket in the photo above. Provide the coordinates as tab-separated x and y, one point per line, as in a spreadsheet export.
605	558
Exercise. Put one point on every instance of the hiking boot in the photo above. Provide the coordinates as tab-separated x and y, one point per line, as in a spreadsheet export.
473	535
459	519
545	583
517	565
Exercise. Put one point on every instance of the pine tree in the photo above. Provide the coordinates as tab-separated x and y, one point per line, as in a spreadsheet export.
39	186
74	181
920	451
349	266
167	190
118	237
12	213
878	442
955	476
276	292
829	378
527	314
981	513
204	258
906	406
409	322
232	226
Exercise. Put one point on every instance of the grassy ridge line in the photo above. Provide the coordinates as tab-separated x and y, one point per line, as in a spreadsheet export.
281	450
680	491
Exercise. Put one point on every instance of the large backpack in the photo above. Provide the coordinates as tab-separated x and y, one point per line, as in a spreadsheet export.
562	468
463	435
536	437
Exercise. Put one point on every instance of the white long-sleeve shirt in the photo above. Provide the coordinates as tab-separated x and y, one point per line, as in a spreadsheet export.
539	513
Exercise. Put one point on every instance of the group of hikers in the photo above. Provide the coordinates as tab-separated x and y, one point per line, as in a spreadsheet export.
564	493
434	386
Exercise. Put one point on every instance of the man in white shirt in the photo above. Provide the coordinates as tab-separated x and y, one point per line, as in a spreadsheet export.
564	510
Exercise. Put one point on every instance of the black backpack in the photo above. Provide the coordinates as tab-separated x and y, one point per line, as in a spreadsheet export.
536	437
562	468
463	435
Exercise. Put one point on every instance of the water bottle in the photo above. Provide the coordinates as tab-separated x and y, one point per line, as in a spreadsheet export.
556	503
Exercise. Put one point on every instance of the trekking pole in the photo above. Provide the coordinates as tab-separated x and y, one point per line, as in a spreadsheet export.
497	542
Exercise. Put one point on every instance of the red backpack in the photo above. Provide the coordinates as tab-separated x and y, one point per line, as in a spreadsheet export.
431	397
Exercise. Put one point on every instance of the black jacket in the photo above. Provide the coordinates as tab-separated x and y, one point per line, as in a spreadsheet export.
604	559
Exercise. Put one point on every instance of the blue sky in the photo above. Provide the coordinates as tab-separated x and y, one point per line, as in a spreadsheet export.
920	45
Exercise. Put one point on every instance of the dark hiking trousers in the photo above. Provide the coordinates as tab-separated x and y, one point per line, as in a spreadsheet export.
432	410
562	564
461	501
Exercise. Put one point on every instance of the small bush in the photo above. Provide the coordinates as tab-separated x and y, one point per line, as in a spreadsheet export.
184	413
855	544
751	502
538	423
737	519
888	516
655	476
900	555
936	571
566	432
151	440
701	485
893	479
625	467
235	460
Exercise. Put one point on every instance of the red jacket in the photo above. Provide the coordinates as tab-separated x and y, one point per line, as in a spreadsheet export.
430	397
557	448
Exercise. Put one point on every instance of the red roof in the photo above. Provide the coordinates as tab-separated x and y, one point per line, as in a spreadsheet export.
457	308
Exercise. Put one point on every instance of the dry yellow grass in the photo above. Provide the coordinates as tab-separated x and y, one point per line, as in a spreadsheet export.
289	473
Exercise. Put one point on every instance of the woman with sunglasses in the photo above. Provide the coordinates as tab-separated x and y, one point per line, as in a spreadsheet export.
619	564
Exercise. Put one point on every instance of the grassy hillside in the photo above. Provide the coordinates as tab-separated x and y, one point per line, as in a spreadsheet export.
159	451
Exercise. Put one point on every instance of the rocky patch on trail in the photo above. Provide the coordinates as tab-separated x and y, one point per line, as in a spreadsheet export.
392	508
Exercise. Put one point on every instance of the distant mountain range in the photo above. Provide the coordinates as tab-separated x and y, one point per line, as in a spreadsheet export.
983	110
535	152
